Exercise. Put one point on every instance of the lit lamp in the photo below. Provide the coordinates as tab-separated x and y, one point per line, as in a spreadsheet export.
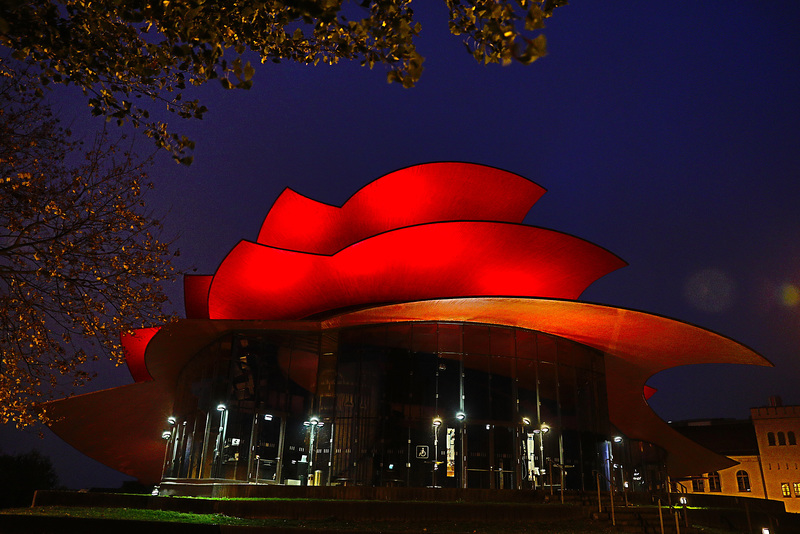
541	431
617	440
527	442
313	424
462	417
223	426
166	436
437	422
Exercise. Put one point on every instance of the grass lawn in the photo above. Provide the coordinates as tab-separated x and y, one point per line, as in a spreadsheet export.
440	527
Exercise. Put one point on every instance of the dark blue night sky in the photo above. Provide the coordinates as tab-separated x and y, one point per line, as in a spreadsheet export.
668	133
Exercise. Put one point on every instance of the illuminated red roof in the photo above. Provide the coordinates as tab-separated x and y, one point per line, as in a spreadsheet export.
436	242
436	260
434	192
135	345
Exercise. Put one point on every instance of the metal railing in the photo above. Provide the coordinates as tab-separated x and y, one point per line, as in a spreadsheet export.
598	475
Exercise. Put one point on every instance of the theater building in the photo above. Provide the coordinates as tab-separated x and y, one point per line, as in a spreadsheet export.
420	335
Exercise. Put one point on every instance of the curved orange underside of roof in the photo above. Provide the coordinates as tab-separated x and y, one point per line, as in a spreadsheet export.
420	194
439	260
637	345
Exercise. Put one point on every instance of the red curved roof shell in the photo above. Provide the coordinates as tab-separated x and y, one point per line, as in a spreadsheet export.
438	260
434	192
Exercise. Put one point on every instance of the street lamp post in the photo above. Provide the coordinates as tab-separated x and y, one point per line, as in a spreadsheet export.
541	431
223	426
167	436
313	424
529	448
462	418
437	422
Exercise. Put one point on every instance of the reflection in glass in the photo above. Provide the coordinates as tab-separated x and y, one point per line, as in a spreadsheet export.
456	405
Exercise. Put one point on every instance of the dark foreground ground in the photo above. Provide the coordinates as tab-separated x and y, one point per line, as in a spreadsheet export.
87	513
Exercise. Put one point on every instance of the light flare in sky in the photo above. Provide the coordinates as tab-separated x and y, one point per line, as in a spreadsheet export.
790	295
711	290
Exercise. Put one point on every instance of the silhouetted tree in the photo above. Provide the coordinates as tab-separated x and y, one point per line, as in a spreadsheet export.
21	475
80	258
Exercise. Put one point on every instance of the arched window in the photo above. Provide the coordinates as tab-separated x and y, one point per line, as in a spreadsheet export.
743	480
771	438
713	482
781	438
792	440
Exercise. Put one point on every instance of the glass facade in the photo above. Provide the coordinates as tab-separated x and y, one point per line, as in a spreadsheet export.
402	404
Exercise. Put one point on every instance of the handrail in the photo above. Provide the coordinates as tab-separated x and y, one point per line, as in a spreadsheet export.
598	474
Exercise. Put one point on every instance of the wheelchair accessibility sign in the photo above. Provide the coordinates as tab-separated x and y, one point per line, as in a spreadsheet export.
422	452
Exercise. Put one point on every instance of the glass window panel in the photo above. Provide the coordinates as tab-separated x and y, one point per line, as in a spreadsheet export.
714	482
478	461
502	389
477	394
546	348
548	392
424	338
526	344
423	384
476	339
526	388
575	355
567	395
398	335
502	342
503	400
449	402
450	338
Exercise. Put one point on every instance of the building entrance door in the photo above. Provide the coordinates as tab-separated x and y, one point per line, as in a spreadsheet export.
266	451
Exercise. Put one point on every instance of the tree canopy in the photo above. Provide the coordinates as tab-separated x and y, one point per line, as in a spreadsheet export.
80	257
122	53
21	475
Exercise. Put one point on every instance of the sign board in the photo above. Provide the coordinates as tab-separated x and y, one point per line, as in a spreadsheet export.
451	452
422	452
531	450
